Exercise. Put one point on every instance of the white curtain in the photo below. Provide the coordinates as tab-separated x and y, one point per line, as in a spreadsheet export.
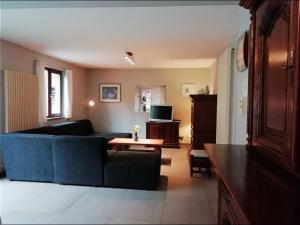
68	93
158	95
42	88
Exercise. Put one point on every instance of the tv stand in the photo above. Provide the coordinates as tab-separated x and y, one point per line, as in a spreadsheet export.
169	131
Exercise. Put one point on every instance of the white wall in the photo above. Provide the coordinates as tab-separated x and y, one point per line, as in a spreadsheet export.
238	126
120	117
17	58
232	123
223	109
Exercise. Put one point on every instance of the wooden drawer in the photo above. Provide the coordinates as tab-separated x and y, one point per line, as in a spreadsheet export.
229	212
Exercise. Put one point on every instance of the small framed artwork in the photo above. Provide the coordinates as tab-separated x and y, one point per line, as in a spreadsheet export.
242	52
110	92
188	89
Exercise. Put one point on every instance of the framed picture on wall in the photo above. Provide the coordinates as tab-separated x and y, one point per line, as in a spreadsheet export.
242	52
188	89
110	92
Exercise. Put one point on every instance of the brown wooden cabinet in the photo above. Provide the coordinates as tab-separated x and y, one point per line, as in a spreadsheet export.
169	131
204	115
273	113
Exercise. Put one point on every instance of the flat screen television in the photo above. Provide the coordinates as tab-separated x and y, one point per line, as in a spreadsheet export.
161	113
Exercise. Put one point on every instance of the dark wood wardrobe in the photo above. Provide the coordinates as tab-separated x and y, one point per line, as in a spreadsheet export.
204	116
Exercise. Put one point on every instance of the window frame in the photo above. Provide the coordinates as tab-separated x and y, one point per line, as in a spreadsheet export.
60	73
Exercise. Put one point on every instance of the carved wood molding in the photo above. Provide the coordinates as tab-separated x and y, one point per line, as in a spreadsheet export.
252	5
275	9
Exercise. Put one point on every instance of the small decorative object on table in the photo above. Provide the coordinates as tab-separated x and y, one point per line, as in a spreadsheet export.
207	91
136	129
201	91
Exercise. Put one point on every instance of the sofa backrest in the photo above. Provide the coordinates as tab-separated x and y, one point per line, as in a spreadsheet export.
81	127
27	157
79	160
40	130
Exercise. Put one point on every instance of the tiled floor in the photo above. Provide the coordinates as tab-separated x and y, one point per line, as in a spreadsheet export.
179	200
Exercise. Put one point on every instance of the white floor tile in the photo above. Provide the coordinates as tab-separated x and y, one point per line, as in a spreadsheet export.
139	209
152	195
181	212
97	202
186	190
56	200
46	218
15	194
127	221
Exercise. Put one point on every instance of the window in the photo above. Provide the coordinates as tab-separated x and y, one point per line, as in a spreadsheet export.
144	97
53	80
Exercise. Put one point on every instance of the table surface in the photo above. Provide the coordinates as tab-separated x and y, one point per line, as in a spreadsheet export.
131	141
265	193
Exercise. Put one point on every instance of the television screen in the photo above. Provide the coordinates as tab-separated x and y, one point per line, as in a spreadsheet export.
161	113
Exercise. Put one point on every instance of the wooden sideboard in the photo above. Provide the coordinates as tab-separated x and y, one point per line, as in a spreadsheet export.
169	131
203	119
252	189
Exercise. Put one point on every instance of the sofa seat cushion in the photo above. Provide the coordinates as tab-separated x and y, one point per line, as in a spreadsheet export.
130	169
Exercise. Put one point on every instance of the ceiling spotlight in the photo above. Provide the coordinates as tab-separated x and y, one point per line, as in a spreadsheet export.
129	57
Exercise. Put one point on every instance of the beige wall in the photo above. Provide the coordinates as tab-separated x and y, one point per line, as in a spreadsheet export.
120	117
17	58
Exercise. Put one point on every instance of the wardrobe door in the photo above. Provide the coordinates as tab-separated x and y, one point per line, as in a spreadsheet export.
274	82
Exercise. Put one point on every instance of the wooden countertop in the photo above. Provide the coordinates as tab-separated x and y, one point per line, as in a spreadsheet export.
264	193
140	141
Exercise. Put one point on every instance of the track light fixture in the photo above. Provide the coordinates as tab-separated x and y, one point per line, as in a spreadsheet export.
129	57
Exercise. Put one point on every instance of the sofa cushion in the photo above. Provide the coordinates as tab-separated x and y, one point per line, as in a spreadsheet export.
132	169
79	160
27	157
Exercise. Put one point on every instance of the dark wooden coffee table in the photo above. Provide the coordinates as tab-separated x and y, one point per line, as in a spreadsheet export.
120	144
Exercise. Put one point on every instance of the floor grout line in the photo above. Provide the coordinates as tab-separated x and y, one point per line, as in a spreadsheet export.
78	197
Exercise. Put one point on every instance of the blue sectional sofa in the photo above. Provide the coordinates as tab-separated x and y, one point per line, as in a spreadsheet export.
72	153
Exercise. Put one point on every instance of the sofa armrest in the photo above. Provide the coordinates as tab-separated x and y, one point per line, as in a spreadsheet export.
27	157
79	160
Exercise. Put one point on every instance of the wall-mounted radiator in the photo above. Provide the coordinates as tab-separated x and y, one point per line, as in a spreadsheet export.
21	101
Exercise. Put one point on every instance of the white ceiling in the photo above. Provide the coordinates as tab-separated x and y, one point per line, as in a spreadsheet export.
96	37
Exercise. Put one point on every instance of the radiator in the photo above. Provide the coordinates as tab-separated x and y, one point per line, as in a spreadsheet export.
21	101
